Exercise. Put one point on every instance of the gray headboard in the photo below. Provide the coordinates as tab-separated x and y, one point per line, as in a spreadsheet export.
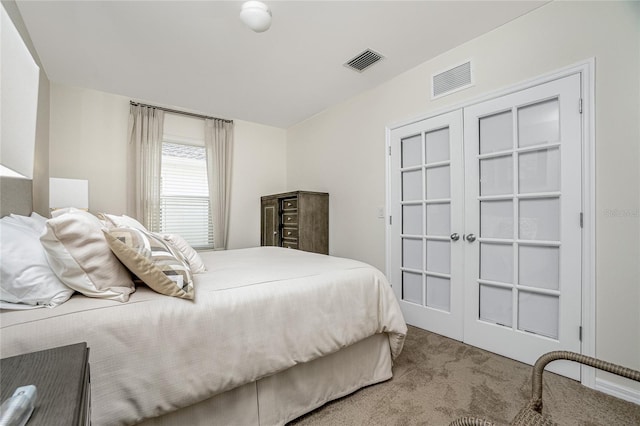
16	196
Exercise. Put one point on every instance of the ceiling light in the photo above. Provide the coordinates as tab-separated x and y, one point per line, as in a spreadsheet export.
256	15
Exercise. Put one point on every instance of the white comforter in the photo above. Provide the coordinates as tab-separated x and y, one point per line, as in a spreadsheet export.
256	312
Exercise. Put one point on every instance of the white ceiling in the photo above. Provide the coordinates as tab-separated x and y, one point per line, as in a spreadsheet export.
198	56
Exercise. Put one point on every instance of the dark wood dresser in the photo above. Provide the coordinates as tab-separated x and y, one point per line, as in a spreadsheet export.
297	220
61	377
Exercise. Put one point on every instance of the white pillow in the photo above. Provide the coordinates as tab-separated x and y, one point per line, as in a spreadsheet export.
80	256
124	221
35	221
195	261
26	280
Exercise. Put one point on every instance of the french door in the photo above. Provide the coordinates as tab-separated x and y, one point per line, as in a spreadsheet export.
493	258
428	204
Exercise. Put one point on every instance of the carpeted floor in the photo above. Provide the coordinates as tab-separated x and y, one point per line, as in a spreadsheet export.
437	380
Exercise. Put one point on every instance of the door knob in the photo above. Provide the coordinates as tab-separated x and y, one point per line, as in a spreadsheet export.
455	236
471	238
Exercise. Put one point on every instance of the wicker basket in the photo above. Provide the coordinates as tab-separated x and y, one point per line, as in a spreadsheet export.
531	414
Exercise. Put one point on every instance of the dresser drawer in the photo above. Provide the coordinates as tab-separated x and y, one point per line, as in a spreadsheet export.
289	204
290	244
289	219
289	233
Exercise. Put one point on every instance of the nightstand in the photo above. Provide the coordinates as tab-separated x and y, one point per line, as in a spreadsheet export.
61	376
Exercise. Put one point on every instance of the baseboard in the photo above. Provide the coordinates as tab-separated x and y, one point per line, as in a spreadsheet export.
619	391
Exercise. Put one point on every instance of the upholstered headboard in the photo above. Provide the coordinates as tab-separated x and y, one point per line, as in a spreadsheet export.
16	196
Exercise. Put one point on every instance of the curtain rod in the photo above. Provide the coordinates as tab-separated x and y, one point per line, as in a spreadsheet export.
175	111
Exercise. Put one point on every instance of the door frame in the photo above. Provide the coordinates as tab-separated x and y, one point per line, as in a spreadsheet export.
586	70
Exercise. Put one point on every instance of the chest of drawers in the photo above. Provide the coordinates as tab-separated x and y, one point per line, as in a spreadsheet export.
297	220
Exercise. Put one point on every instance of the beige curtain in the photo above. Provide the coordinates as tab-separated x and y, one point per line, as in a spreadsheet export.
218	142
145	156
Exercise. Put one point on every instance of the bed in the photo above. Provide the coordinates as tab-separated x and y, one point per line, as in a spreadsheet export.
271	334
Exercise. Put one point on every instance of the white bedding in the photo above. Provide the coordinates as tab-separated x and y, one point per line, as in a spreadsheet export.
256	312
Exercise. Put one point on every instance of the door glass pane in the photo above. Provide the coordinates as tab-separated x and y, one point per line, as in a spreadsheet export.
412	185
538	313
539	171
438	293
437	146
539	123
412	219
496	305
496	262
411	151
496	219
412	287
438	183
539	266
540	219
496	176
412	253
496	133
439	219
439	256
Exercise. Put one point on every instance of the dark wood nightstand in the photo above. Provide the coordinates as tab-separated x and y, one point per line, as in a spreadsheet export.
61	376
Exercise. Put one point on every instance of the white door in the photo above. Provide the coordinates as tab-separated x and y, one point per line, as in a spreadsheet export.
523	222
485	240
427	221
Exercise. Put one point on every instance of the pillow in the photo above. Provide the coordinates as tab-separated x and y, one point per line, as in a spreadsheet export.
64	210
124	220
35	221
156	262
26	280
80	256
195	261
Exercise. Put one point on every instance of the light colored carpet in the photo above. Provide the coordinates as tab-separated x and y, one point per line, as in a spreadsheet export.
437	380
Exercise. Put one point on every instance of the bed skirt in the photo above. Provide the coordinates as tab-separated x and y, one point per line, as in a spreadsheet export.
277	399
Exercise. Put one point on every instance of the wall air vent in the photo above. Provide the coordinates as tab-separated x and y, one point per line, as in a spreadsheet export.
450	81
363	60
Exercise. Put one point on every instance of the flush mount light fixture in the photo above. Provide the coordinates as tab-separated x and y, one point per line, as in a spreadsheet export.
256	15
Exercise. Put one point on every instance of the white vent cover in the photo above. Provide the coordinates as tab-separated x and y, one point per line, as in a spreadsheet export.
363	60
449	81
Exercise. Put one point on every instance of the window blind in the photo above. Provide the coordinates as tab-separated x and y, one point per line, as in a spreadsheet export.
184	194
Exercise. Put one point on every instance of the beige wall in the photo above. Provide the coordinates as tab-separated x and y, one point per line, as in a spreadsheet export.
342	150
259	154
88	140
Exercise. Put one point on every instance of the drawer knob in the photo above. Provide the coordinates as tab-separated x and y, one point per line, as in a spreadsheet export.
288	204
289	233
288	218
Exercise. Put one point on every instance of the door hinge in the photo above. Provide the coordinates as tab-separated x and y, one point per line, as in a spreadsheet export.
390	220
581	220
389	150
580	333
580	106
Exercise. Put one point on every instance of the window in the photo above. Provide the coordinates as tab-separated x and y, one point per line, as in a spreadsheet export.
184	194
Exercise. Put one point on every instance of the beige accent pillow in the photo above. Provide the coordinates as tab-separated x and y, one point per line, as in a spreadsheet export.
156	262
195	261
80	256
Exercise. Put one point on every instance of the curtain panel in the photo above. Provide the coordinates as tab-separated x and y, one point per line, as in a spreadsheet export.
144	162
218	142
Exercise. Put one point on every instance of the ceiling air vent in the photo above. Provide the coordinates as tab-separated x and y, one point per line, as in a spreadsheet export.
451	80
364	60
